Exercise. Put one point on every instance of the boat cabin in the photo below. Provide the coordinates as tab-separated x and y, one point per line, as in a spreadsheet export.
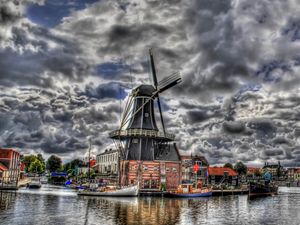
185	188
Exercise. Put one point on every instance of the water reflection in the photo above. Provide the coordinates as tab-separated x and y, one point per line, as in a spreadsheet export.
6	199
135	211
57	205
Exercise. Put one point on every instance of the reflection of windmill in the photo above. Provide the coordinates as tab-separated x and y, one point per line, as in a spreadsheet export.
141	139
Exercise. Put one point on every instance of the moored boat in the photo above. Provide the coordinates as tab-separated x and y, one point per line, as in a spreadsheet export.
187	191
264	188
131	191
257	190
35	183
44	180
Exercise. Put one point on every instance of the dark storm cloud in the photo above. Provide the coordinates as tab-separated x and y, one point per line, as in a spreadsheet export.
238	62
292	30
120	37
32	55
70	145
7	15
39	68
55	128
109	90
265	129
282	141
273	152
234	127
197	116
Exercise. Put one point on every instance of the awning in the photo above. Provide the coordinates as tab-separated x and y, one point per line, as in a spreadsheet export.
2	167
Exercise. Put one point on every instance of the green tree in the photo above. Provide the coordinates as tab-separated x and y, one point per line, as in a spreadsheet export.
240	168
27	160
70	167
40	157
67	166
76	162
37	167
228	165
54	163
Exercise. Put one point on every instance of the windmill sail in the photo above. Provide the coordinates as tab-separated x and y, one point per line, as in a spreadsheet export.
168	82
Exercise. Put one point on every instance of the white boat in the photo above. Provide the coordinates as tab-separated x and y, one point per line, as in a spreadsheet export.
44	180
35	183
127	191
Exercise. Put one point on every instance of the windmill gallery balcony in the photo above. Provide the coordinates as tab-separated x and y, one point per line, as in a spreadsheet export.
122	134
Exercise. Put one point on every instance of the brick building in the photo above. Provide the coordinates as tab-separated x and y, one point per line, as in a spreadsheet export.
254	172
277	171
293	174
9	166
187	167
163	172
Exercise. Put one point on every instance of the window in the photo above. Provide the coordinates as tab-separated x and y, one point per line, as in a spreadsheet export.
146	184
174	169
145	168
167	169
135	141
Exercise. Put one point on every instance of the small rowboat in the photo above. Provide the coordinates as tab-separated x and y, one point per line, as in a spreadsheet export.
186	191
123	192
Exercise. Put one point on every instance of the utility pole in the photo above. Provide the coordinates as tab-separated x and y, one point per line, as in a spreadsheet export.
89	162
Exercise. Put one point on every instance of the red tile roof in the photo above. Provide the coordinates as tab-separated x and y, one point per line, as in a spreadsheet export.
2	167
219	171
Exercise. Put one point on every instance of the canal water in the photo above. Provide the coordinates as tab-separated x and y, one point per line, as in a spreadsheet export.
57	205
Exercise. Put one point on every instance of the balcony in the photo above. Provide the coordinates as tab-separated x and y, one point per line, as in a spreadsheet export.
123	134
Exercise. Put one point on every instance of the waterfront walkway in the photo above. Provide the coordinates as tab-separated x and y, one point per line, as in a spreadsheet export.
21	183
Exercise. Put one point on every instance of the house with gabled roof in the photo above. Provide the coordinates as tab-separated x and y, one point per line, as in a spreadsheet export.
222	175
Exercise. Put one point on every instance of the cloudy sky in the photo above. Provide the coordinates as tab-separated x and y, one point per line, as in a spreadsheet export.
66	67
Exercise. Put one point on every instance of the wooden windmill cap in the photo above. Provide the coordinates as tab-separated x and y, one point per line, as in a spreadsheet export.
144	90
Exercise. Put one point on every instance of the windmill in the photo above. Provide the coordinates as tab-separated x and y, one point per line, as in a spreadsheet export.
141	139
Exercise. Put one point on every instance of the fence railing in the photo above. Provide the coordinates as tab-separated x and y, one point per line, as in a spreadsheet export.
140	132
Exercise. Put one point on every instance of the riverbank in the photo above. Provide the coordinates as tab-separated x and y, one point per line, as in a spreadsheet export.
14	187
